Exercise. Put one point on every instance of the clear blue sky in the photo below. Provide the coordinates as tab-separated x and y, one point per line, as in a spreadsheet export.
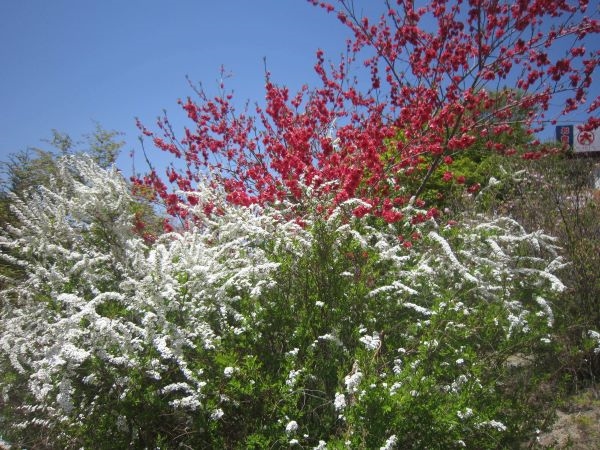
67	63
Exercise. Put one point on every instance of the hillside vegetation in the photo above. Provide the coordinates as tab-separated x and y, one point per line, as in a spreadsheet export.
250	329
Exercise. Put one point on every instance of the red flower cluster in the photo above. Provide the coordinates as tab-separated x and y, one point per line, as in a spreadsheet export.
440	77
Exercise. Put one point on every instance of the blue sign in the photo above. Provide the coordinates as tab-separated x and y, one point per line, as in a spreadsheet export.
564	135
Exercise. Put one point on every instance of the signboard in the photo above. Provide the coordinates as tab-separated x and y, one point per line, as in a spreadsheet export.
587	141
579	141
564	135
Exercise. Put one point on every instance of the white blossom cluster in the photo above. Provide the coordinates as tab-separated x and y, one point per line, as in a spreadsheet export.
96	295
596	337
491	262
100	310
494	261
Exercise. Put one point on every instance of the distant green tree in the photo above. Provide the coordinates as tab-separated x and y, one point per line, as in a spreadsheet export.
34	166
27	169
104	146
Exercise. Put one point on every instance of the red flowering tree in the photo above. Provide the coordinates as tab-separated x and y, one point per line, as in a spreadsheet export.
418	85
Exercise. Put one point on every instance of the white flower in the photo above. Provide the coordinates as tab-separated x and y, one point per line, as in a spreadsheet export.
494	424
371	342
595	336
217	414
293	352
291	427
292	377
397	385
330	337
74	354
546	310
353	380
173	387
390	443
340	402
190	402
182	294
468	412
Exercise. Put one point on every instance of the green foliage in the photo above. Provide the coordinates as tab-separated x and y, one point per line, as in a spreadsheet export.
248	331
450	180
557	194
29	171
36	166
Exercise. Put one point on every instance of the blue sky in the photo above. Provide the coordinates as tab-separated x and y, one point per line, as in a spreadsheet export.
66	64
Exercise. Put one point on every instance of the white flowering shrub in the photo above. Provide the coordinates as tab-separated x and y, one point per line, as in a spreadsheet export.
109	335
441	345
245	330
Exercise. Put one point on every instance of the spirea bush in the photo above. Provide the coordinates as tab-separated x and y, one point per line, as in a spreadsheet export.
248	330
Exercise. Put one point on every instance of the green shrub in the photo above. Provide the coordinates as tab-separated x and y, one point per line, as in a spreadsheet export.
249	331
557	194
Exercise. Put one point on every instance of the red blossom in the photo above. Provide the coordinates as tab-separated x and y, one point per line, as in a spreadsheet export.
432	213
424	96
167	227
361	211
474	188
392	216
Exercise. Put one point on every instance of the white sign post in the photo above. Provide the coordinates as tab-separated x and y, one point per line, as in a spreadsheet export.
586	141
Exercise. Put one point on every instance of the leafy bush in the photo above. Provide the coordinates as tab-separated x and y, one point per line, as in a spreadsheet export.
248	330
557	194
